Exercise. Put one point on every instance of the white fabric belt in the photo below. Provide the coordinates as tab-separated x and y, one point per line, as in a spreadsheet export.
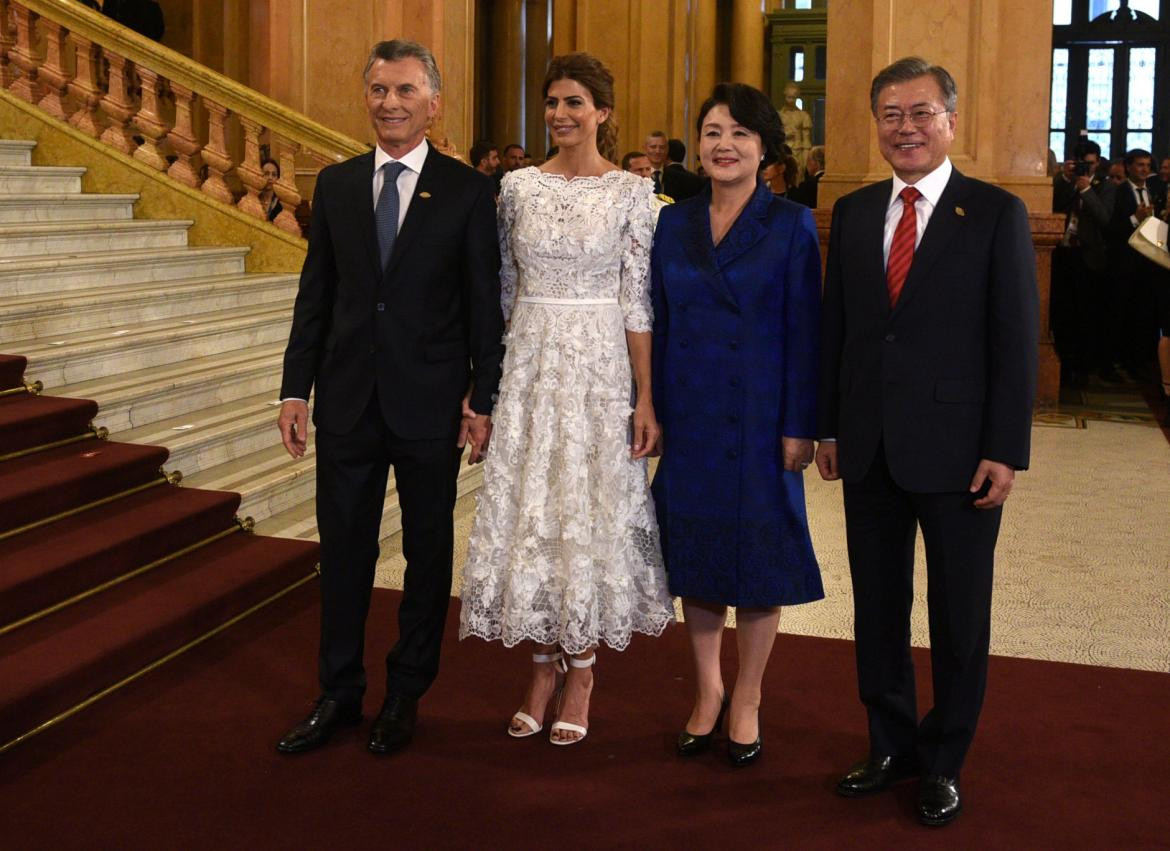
536	299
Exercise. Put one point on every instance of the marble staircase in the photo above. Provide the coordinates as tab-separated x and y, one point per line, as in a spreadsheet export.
178	344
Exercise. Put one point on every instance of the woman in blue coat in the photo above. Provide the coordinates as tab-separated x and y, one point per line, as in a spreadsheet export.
736	286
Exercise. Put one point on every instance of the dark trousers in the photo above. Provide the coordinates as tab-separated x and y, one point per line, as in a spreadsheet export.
352	471
1079	308
881	520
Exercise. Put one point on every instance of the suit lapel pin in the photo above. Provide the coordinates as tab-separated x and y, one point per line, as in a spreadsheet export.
424	195
959	211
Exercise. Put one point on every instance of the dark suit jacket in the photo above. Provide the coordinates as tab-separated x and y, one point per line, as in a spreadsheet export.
680	184
1124	206
1094	209
948	376
414	330
806	192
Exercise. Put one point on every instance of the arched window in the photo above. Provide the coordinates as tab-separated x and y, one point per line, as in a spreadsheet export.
1110	79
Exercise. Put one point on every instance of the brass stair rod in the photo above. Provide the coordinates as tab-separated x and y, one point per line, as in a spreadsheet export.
33	389
166	478
100	433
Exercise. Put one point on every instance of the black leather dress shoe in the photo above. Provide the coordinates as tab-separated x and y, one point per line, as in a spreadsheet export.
741	754
938	800
875	774
394	727
690	744
328	716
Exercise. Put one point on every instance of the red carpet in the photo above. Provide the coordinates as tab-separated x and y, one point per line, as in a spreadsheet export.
1067	756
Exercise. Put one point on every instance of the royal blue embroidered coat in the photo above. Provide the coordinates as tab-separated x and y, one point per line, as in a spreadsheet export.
736	331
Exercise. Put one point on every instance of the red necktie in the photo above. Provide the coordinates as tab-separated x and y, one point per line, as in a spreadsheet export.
902	245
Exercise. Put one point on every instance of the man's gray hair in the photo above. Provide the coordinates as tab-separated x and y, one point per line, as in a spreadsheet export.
911	68
400	48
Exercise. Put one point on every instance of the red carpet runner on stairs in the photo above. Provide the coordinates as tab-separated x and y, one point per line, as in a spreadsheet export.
106	566
1067	756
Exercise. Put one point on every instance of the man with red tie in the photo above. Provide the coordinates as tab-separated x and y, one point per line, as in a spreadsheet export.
927	385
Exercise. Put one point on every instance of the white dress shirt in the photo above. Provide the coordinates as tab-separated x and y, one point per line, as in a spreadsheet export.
1141	196
407	180
931	187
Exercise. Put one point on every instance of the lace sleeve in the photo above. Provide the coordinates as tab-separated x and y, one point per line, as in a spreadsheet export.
634	294
505	220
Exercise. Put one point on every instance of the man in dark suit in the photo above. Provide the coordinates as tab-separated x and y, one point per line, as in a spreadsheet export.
677	183
397	315
806	192
1080	285
1132	323
929	370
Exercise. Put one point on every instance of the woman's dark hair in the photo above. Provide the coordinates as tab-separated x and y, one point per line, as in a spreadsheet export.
266	160
590	73
751	108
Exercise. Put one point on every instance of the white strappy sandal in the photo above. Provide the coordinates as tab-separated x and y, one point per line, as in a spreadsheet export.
565	725
524	718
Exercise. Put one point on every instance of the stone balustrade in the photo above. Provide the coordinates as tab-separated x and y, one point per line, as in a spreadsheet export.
158	106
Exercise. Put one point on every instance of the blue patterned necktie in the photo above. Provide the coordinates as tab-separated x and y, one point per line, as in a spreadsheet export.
386	212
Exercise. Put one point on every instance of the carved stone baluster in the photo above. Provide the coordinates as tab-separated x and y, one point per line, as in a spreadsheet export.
149	122
118	105
285	151
52	73
23	55
249	170
182	139
84	86
215	153
7	43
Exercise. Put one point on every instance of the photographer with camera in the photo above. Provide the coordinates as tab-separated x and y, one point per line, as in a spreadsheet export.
1080	266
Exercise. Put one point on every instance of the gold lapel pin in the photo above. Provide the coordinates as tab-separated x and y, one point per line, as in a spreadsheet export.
959	211
424	195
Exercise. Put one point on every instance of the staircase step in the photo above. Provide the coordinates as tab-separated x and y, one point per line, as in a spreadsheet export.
54	274
141	397
268	481
201	439
45	315
15	209
39	179
45	566
80	238
27	420
16	152
52	664
84	355
12	371
56	480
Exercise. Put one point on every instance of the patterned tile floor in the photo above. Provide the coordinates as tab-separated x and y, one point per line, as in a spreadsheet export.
1083	564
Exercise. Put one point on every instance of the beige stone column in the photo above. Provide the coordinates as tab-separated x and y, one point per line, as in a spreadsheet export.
747	43
1002	132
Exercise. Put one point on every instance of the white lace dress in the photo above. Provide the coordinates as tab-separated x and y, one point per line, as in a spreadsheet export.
565	546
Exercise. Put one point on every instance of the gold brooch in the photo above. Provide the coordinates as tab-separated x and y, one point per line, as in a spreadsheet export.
959	211
424	195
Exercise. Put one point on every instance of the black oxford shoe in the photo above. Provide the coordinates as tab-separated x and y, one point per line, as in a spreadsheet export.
874	775
394	727
328	716
938	800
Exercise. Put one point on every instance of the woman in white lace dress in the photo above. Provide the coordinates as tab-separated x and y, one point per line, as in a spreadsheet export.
564	552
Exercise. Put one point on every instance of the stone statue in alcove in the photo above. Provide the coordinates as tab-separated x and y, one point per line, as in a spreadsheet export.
797	126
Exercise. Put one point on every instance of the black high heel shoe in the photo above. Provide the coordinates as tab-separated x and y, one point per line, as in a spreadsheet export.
741	755
689	744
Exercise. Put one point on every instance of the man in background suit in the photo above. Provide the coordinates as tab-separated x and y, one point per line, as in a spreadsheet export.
397	315
1132	322
814	169
928	377
677	183
656	152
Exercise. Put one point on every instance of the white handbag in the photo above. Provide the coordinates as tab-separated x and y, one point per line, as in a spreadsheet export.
1149	240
